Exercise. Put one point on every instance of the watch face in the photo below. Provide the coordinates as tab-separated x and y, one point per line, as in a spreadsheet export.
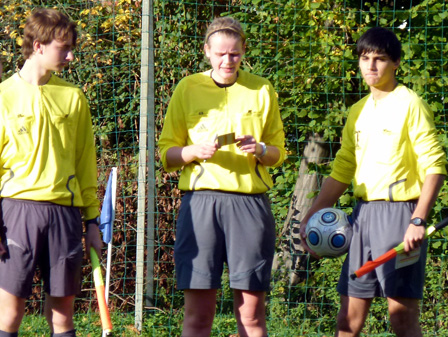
417	221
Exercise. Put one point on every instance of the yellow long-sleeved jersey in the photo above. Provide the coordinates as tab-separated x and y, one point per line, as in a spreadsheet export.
47	150
388	147
199	110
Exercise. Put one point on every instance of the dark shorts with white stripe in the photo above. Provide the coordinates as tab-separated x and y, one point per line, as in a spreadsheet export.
44	235
377	227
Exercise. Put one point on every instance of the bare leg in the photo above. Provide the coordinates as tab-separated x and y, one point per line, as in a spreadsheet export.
352	316
404	316
250	313
59	313
12	309
200	306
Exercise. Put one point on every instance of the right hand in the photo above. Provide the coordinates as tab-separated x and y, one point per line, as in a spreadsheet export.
93	239
302	233
2	249
205	150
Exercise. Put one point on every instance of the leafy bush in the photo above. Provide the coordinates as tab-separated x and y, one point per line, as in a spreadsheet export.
306	49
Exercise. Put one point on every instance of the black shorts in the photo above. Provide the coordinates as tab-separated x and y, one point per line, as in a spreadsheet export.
41	234
218	227
379	226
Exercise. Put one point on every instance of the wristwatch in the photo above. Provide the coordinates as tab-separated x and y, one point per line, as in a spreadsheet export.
418	222
94	221
263	151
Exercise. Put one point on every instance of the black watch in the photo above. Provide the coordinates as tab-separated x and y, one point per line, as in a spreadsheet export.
91	222
418	222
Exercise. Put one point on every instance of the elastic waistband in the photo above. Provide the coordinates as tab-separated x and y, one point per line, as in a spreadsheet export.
33	202
224	193
413	201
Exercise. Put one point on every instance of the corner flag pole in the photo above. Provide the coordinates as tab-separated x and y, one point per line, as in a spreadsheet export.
107	219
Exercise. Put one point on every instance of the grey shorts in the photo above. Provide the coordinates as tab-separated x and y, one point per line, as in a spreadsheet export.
214	228
45	235
377	227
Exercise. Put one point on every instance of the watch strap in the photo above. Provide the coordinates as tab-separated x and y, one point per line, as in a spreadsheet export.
264	150
418	222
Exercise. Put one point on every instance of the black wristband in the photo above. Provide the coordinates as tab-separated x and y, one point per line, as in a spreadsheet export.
91	222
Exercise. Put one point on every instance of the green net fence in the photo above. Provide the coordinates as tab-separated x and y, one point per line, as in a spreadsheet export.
306	49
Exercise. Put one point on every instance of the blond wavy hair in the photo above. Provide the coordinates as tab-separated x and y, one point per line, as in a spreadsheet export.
226	25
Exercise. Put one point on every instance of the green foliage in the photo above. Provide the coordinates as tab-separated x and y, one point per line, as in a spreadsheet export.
307	50
107	68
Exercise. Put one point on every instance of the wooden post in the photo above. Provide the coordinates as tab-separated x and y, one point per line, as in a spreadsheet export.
292	259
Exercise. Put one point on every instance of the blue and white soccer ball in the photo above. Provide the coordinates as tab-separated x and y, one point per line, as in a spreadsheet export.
329	232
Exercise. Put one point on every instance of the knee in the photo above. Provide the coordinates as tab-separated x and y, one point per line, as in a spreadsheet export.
343	323
403	325
251	317
250	320
199	319
62	320
10	320
404	317
348	324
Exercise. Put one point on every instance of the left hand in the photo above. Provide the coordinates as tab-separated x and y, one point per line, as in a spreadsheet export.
248	144
93	239
414	237
2	249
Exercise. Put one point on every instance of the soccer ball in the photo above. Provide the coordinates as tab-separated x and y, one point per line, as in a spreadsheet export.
329	232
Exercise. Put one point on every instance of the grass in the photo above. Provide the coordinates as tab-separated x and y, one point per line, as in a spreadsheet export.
281	321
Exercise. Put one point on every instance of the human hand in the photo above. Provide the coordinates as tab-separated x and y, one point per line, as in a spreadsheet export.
2	249
93	238
413	237
2	237
248	144
303	236
204	150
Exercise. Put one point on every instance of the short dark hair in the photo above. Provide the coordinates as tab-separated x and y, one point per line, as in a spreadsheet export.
45	25
379	40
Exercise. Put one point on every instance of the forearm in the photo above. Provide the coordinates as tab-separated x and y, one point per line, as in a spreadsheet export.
430	191
271	157
329	194
415	235
179	156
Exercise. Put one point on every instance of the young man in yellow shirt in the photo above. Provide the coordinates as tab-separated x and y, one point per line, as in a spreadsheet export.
47	177
391	153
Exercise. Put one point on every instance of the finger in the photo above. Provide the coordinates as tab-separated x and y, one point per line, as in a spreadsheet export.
307	248
407	247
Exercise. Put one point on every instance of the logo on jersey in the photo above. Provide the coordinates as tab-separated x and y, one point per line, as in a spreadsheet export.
23	130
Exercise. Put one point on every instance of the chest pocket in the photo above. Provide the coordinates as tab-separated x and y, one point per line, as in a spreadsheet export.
382	144
388	146
250	122
64	130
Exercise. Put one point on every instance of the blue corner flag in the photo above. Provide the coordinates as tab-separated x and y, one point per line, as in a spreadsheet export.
107	211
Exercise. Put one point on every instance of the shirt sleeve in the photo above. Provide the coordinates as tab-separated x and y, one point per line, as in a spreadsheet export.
431	157
86	168
344	165
273	132
174	130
